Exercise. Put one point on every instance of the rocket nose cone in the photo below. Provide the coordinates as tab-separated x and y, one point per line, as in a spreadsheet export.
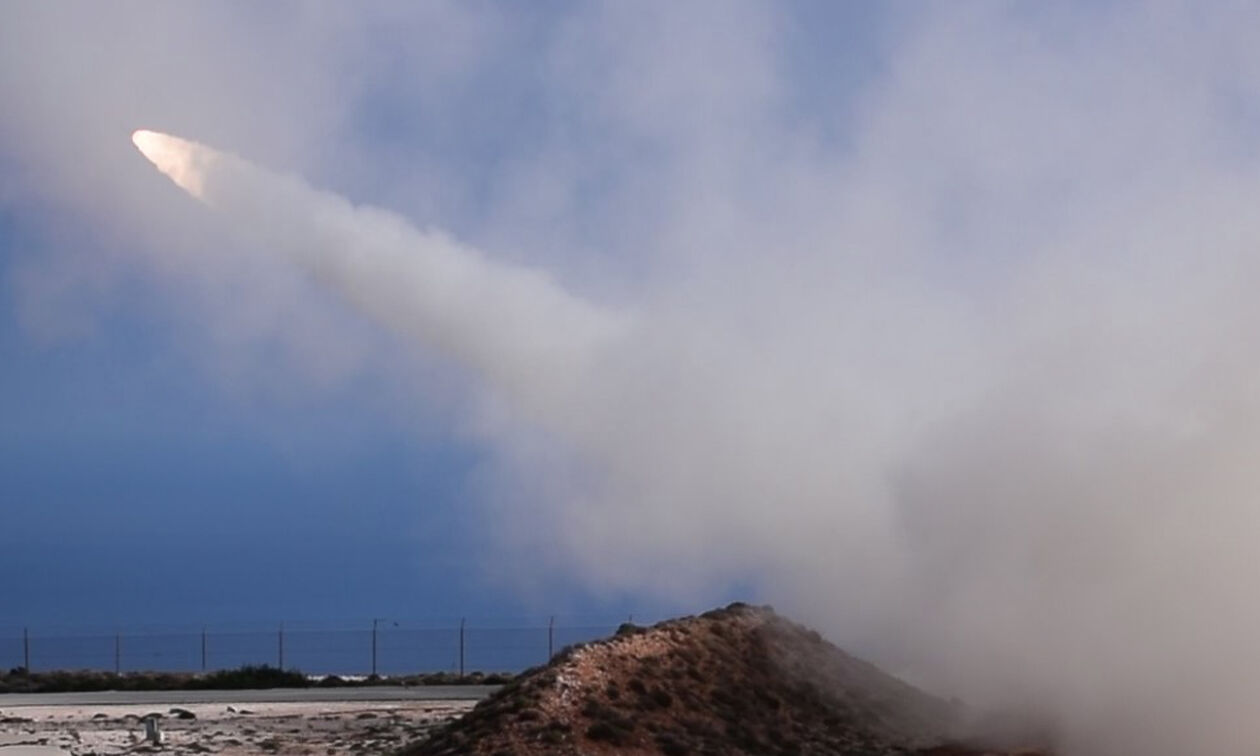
182	161
146	141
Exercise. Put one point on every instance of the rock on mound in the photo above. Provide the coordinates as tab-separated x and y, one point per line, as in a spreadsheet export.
740	680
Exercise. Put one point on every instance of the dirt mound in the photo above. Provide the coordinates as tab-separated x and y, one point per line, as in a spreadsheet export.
740	680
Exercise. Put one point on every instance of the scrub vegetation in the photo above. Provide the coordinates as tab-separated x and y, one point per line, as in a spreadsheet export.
19	680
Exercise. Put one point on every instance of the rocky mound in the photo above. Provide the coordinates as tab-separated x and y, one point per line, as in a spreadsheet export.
740	680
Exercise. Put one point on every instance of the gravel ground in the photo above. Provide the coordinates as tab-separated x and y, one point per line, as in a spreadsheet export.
324	728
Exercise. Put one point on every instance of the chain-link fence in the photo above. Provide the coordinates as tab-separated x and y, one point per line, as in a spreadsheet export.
380	646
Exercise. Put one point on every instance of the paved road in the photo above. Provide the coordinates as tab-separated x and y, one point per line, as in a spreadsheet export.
374	693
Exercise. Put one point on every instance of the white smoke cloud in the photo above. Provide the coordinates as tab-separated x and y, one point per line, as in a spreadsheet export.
968	382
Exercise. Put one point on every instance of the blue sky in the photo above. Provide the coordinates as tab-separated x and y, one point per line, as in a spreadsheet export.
128	475
931	325
152	449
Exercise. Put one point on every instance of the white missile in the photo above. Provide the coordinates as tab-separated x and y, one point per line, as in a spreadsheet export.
183	161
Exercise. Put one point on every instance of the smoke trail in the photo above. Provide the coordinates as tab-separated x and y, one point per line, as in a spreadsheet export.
683	445
513	324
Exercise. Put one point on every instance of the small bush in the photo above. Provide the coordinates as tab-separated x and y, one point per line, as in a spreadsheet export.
551	737
528	715
670	746
252	677
606	732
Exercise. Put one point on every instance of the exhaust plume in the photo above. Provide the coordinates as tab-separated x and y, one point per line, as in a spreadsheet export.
513	324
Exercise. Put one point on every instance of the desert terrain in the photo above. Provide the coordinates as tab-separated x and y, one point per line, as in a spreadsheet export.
232	729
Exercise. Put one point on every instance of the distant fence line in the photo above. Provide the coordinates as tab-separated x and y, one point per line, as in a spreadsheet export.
378	647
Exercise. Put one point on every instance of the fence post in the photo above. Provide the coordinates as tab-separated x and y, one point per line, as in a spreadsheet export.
26	649
461	646
203	649
117	653
551	637
280	644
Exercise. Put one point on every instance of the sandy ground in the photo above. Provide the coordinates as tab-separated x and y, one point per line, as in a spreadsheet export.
324	728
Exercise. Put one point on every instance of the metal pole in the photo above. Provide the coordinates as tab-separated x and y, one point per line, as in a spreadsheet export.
280	644
26	649
551	637
374	621
117	653
461	646
203	649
